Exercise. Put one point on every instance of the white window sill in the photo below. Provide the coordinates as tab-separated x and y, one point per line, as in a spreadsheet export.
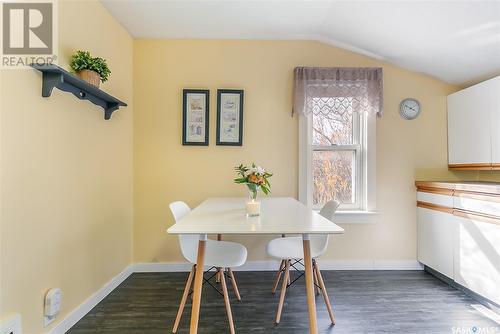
356	217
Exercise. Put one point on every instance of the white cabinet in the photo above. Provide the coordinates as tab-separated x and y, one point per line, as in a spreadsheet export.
477	257
494	90
436	237
474	125
459	233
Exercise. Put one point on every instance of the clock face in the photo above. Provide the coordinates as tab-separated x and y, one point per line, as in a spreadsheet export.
409	108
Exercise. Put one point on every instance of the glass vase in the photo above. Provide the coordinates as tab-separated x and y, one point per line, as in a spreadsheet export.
253	191
253	206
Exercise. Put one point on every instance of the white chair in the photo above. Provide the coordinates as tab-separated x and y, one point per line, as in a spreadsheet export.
288	249
219	255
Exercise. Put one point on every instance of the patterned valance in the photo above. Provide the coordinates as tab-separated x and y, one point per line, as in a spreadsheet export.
361	88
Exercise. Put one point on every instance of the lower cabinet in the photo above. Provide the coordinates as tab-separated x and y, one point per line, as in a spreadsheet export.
462	246
436	239
459	233
477	256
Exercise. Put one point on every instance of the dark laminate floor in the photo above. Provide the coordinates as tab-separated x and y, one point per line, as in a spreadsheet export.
363	302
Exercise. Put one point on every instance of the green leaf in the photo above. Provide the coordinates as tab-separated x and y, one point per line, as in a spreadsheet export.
83	60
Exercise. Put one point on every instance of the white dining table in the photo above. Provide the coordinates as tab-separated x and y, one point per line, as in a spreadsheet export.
279	215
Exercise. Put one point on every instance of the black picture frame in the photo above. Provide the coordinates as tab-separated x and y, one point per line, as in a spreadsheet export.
219	140
185	96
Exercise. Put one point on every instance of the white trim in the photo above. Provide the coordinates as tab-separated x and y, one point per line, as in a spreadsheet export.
272	265
365	164
269	265
161	267
81	310
356	217
303	159
11	324
370	265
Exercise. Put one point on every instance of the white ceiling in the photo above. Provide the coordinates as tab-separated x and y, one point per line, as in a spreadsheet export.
456	41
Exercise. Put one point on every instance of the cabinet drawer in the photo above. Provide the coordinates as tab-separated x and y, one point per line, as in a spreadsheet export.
489	207
437	199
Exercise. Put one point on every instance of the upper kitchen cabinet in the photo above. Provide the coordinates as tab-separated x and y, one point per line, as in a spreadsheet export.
495	121
473	127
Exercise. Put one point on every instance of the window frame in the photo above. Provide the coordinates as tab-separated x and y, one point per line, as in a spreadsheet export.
365	163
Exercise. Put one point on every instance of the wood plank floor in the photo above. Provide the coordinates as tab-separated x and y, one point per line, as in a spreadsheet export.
363	302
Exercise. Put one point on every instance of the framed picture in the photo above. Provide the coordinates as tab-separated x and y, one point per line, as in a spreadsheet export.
230	117
195	106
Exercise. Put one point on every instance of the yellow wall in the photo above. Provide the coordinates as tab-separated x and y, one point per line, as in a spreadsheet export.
66	175
165	171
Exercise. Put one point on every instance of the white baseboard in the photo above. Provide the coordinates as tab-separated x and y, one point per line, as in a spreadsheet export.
161	267
269	265
79	312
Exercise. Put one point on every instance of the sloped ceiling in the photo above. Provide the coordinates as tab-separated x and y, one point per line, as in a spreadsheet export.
455	41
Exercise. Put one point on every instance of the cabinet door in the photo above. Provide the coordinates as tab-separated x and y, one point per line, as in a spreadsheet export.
493	87
469	139
436	238
477	256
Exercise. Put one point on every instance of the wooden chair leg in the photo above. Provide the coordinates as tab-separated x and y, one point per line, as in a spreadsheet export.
217	276
278	276
316	282
283	291
226	301
235	286
289	275
183	300
325	293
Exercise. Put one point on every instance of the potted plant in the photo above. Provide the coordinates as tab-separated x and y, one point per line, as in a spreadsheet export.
91	69
256	178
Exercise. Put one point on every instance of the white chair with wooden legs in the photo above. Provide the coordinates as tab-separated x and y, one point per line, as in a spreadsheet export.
290	251
219	255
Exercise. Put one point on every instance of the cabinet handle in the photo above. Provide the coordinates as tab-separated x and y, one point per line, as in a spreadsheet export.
435	207
439	191
475	216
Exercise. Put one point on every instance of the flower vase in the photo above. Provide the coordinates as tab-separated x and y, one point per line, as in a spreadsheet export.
253	206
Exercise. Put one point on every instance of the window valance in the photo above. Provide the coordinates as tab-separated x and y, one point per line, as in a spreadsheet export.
361	86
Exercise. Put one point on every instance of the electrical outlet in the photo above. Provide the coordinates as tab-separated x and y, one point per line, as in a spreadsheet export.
52	305
11	325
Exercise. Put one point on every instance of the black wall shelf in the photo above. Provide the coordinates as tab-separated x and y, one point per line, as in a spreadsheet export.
54	76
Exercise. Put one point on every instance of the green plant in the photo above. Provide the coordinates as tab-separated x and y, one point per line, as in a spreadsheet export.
83	60
255	177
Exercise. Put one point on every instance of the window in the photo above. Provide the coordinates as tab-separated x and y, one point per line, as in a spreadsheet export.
335	160
337	108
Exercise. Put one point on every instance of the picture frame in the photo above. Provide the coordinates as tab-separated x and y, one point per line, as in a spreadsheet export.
195	117
230	117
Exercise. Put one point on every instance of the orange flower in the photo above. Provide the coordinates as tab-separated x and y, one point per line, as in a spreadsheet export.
253	178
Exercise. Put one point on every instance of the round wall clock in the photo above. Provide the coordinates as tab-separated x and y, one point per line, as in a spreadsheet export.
409	108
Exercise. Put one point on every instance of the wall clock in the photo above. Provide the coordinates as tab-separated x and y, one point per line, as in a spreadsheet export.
409	108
